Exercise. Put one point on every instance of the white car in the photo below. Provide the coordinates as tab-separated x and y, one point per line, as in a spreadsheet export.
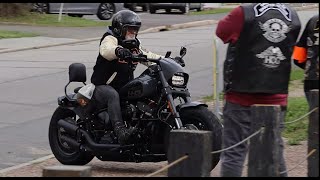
104	11
183	7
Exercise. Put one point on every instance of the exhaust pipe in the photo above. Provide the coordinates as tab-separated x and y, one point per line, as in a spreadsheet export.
75	130
71	142
68	127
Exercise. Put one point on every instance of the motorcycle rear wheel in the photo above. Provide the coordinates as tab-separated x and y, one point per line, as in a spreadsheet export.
64	155
204	119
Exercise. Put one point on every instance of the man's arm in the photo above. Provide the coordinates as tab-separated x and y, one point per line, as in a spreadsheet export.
230	27
299	54
108	47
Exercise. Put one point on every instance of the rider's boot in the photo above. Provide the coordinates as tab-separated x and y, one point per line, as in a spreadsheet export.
124	134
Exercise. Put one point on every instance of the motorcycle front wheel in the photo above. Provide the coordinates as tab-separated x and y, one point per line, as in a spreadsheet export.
204	119
64	154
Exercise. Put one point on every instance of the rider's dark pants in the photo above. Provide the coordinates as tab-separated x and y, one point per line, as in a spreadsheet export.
106	96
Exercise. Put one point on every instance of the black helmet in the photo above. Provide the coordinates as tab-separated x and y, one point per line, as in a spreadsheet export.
122	20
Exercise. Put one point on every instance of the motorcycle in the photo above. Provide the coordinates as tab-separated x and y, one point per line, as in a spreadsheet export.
154	103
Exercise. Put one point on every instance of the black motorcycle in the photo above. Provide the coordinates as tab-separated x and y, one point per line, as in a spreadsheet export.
154	103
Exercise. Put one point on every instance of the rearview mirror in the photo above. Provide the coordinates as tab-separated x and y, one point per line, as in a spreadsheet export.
183	51
167	54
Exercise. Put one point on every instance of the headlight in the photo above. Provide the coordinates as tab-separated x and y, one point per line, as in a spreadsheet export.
179	80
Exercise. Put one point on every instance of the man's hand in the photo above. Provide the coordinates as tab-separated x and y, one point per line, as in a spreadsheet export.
123	53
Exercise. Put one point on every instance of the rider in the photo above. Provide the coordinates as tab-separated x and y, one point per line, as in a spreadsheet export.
112	70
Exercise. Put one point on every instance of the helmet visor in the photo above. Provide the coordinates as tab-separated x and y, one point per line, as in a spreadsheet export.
130	32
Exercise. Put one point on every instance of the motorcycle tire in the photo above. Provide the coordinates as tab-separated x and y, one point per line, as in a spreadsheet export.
64	155
204	119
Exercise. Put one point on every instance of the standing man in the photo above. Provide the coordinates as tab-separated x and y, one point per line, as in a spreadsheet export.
261	38
306	55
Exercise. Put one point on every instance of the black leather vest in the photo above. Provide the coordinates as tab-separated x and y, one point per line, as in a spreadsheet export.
312	63
260	61
104	69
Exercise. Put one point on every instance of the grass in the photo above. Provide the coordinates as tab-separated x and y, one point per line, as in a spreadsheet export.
15	34
296	74
296	131
211	11
52	20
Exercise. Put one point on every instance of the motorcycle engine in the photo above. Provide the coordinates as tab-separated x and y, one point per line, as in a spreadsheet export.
130	112
141	109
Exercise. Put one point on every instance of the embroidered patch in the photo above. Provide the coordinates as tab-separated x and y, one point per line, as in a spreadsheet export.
275	30
262	8
272	57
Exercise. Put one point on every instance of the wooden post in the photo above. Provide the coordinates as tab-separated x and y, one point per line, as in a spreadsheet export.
263	160
67	171
197	145
313	135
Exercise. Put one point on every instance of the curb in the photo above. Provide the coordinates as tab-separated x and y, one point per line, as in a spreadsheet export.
150	30
39	160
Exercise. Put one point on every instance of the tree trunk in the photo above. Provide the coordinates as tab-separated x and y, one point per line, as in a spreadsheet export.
14	9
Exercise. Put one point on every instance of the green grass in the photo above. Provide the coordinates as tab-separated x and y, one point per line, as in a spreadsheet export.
15	34
296	131
212	11
52	20
296	74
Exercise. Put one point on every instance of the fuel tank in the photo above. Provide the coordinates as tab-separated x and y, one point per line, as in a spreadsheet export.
141	87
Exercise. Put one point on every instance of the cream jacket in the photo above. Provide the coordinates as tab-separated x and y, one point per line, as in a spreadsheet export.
109	45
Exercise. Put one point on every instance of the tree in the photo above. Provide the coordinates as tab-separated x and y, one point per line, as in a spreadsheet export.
14	9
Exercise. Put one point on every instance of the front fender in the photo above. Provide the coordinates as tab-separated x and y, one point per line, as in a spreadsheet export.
191	104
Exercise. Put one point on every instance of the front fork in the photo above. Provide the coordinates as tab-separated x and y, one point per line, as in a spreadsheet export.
168	93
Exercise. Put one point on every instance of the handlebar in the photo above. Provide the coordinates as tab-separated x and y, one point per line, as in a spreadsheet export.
144	58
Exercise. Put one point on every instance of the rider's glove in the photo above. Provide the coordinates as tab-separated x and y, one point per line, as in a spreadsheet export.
179	60
123	53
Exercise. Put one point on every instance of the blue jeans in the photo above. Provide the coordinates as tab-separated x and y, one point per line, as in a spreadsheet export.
236	120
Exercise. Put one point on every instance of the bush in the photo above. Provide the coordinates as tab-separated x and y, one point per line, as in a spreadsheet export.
14	9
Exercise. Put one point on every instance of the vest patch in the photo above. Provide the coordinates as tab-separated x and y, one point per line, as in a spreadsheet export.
275	30
272	57
262	8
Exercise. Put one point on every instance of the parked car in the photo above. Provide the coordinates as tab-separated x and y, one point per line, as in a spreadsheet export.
183	7
104	11
132	6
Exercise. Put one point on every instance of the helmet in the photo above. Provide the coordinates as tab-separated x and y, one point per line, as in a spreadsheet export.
123	20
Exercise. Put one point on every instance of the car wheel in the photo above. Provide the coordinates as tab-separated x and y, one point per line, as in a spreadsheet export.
185	9
40	8
145	7
200	8
152	10
133	6
106	11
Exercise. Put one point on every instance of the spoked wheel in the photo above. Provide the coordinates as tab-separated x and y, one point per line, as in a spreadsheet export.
106	11
61	150
202	119
40	8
